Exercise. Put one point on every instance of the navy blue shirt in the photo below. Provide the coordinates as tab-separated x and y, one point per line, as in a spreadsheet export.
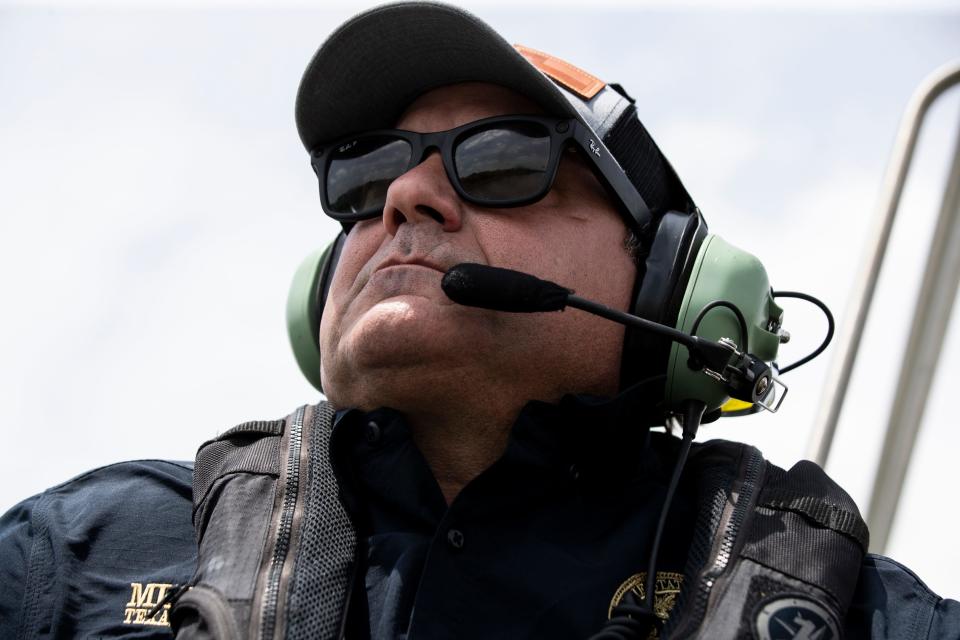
892	602
90	557
543	541
539	545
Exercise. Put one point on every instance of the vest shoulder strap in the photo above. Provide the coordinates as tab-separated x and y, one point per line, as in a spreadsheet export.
275	545
784	550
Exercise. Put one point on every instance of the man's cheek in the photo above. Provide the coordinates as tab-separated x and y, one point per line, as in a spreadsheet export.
345	285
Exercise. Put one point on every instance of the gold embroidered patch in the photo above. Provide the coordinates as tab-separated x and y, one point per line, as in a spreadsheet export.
142	600
574	78
665	593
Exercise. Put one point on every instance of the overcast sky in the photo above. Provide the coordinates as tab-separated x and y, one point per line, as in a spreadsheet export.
155	201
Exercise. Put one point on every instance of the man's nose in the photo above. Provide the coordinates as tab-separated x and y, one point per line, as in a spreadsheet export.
423	194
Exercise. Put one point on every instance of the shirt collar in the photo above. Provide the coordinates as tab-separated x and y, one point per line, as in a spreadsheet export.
596	435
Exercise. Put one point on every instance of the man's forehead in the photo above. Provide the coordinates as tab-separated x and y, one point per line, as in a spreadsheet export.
452	105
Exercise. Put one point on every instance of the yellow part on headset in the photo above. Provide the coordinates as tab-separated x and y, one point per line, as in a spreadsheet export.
734	407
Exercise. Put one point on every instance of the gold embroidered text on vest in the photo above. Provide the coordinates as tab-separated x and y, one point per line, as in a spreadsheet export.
142	599
665	592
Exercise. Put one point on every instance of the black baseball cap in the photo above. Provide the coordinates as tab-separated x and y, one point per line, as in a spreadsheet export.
374	65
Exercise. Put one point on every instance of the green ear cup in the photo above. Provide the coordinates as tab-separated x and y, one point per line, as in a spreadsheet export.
303	314
723	272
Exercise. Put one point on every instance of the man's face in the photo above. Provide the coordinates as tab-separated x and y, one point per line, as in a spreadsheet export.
390	337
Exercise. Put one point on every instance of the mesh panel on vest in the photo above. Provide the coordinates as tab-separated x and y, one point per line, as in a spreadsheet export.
326	546
806	490
777	537
712	498
242	452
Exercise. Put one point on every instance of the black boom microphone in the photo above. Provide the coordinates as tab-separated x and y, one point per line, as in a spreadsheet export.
480	285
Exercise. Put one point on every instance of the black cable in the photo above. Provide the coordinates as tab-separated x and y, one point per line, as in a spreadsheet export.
693	412
745	348
635	621
826	312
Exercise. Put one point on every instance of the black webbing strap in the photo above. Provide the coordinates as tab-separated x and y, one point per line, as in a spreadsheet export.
645	165
263	427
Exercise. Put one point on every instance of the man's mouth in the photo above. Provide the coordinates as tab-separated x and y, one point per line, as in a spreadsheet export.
411	262
406	277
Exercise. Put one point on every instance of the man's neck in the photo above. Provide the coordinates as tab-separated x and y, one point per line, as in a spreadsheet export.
459	447
460	420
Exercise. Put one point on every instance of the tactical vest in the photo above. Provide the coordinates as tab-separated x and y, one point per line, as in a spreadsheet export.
775	549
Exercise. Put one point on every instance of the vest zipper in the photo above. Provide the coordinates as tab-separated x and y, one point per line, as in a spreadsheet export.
740	510
291	489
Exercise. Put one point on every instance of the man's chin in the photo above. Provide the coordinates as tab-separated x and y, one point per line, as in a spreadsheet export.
376	371
399	317
404	331
406	335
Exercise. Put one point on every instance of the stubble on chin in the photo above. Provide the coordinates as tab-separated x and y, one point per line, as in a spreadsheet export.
406	349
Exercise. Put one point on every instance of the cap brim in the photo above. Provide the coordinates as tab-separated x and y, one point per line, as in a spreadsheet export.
372	67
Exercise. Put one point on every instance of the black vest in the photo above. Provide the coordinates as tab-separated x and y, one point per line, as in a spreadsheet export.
778	551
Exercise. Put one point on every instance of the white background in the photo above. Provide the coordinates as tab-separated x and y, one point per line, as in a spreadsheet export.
155	201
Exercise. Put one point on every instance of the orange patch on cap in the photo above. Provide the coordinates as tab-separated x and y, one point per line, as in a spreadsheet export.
573	78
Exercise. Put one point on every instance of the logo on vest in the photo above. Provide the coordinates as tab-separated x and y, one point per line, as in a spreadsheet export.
666	589
795	618
143	598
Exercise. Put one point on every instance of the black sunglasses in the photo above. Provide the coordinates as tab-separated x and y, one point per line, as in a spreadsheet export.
505	161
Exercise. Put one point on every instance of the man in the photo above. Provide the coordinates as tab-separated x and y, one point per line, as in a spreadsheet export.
496	468
389	332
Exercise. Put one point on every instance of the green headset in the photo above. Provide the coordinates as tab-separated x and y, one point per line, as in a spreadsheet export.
687	278
684	271
305	301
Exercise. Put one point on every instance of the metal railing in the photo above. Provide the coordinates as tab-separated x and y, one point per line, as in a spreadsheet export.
929	326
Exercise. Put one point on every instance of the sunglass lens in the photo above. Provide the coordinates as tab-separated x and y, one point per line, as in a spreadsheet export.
504	163
361	170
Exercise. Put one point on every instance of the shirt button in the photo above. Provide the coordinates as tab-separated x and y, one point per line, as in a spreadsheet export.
372	433
455	538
